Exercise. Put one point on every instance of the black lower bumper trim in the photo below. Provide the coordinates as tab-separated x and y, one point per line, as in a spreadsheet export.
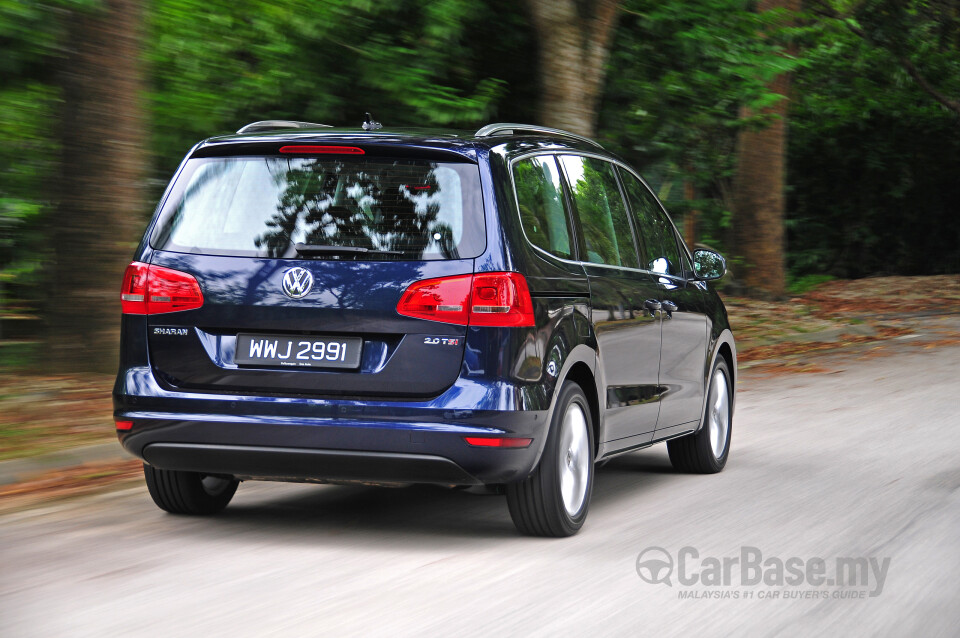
307	464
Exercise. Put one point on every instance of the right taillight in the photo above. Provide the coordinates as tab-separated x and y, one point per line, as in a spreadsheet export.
153	290
500	299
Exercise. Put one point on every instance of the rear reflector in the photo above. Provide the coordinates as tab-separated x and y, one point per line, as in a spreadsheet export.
322	150
483	441
124	425
153	290
499	299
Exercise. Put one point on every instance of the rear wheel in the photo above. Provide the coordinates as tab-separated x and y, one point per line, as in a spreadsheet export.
706	450
553	501
189	492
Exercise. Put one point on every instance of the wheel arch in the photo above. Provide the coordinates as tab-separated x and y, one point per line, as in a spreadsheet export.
581	374
723	346
578	364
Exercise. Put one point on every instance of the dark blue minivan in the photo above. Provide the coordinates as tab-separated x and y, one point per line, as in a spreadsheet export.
505	307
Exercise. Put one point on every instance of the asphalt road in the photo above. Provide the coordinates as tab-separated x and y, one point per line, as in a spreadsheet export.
859	461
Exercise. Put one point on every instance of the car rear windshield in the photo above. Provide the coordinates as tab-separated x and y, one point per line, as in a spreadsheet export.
264	206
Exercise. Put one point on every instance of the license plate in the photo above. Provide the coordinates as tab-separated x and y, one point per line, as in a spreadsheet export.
298	352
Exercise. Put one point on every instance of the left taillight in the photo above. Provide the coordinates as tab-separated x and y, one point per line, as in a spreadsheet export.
153	290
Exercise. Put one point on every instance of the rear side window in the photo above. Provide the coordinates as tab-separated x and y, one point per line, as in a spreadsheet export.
601	211
655	229
540	197
263	206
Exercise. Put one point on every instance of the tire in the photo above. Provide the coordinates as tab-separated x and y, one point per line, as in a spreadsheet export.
554	499
706	450
189	492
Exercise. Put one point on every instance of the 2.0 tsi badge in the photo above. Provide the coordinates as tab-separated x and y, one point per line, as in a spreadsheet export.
297	282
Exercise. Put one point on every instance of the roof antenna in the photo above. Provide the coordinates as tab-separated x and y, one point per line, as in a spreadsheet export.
370	125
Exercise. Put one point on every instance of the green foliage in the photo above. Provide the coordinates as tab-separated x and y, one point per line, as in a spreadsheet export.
218	65
873	157
680	74
30	38
806	283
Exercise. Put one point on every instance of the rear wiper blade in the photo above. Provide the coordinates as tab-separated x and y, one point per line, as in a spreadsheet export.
320	249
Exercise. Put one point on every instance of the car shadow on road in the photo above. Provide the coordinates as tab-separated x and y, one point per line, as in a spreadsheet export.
409	514
630	477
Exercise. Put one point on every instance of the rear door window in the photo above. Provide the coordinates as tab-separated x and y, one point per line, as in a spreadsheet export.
540	198
656	231
601	211
263	206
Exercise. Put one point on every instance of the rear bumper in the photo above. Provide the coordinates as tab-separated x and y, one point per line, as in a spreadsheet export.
325	450
297	439
295	464
299	449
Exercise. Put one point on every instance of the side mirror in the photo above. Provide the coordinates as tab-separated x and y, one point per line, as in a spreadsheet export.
709	265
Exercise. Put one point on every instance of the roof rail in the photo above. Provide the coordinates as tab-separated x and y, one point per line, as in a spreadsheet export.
507	128
273	125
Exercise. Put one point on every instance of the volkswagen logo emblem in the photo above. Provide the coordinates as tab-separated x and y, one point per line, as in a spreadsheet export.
297	282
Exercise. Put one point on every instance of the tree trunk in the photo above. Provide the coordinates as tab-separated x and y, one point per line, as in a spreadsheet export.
101	198
573	54
759	191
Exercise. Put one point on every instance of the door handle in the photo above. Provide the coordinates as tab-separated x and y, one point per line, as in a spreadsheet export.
652	305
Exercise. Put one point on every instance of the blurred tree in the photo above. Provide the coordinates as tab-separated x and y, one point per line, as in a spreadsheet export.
906	30
31	39
679	73
100	204
574	39
219	64
874	155
759	188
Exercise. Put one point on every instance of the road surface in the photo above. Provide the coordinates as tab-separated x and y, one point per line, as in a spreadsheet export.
859	461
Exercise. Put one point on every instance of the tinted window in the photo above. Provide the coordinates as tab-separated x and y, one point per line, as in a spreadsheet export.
600	209
540	198
684	257
262	206
655	229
